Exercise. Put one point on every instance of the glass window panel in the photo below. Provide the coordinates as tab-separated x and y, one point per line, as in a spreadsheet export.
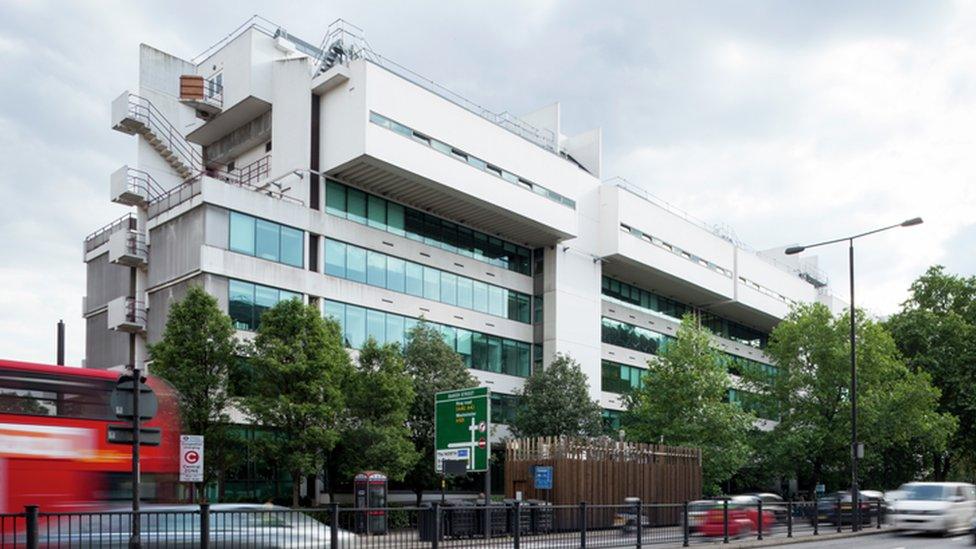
284	295
395	275
465	242
449	284
464	346
479	351
432	231
480	296
449	333
241	304
464	293
449	236
509	357
524	359
264	299
266	240
241	233
335	198
376	325
408	325
377	212
395	222
512	306
494	354
394	329
432	283
523	308
497	301
356	264
440	146
355	327
292	246
335	258
376	269
414	224
415	279
356	205
337	311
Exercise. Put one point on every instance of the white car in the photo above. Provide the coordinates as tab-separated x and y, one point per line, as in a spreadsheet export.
934	507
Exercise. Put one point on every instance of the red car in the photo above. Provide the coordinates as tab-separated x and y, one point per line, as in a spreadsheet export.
742	522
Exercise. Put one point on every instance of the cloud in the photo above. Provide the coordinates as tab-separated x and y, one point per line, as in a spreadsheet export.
792	122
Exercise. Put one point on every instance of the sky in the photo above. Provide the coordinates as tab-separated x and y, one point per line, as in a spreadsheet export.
790	122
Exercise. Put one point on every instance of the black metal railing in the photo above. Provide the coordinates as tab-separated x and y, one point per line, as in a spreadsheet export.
522	525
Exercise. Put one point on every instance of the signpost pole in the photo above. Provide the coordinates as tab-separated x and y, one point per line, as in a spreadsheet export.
134	541
488	501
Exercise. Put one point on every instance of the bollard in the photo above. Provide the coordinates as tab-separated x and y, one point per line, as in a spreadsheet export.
31	512
816	515
759	520
517	527
840	519
334	529
880	512
204	525
582	523
725	521
639	522
789	518
687	526
437	525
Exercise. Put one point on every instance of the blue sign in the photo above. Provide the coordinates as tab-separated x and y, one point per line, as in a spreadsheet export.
543	477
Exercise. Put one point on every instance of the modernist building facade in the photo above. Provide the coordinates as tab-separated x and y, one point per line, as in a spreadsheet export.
268	168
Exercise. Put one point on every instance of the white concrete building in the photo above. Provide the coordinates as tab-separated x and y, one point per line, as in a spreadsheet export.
268	168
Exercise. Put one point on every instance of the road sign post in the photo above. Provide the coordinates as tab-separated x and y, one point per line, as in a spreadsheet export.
462	429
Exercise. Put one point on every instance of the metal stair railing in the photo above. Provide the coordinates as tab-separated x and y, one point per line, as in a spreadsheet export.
143	111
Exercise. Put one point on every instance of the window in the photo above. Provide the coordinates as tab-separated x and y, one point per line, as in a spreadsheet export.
503	408
355	326
432	283
497	301
449	288
395	274
355	264
379	213
267	240
40	394
246	302
335	258
415	279
620	378
480	296
465	297
632	337
376	269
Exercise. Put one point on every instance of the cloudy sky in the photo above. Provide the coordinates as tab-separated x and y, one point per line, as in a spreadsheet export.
788	121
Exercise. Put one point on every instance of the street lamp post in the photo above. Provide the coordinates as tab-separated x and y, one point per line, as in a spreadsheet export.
855	506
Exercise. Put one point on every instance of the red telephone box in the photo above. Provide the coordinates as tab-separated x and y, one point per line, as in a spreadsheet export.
371	491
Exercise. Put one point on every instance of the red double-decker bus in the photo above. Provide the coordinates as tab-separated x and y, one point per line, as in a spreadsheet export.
54	449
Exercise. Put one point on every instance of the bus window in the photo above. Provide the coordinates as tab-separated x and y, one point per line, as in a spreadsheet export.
35	394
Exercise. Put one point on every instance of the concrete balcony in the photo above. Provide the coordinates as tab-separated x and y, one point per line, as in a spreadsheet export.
128	248
201	94
132	187
126	314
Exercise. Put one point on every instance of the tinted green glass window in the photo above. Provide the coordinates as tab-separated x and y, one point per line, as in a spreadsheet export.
510	357
266	240
394	329
376	269
415	279
449	288
337	311
377	212
264	299
376	325
464	293
494	354
356	264
432	283
355	205
335	198
414	224
395	222
355	327
479	351
480	290
497	301
292	246
395	274
241	233
524	359
241	304
335	258
464	346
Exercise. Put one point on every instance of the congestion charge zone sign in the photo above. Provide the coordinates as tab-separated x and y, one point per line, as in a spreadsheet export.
461	427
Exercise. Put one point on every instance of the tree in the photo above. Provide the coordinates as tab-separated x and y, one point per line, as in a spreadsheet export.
556	401
811	390
936	333
300	367
375	435
682	403
196	356
434	367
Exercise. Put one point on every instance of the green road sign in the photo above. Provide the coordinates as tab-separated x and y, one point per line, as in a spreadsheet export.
462	423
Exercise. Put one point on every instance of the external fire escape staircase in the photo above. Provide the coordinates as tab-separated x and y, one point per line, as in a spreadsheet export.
136	115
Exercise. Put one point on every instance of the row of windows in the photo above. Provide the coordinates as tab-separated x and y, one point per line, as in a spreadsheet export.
374	211
479	351
674	310
378	269
751	402
633	337
738	365
675	250
620	378
503	408
472	161
267	240
247	301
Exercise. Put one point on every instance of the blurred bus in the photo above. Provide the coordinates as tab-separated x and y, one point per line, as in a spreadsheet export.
54	449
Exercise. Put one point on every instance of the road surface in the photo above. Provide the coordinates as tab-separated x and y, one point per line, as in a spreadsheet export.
893	540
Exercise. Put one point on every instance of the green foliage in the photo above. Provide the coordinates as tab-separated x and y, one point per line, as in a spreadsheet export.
196	355
936	333
556	401
379	396
300	367
896	408
434	367
682	403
